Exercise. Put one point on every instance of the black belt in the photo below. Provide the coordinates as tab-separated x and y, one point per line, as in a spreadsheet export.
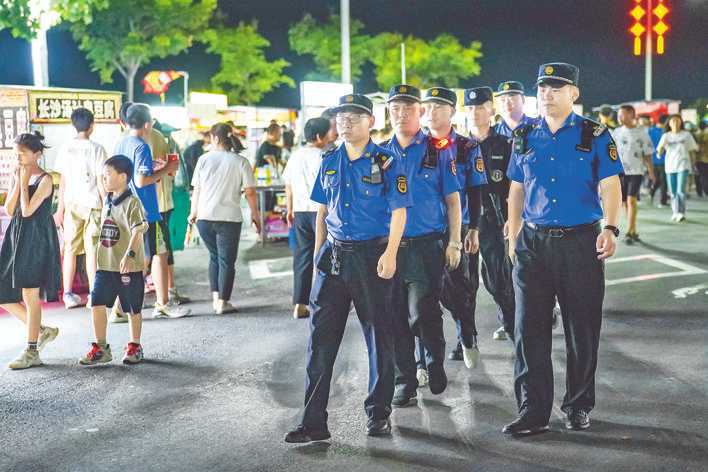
351	245
560	231
406	242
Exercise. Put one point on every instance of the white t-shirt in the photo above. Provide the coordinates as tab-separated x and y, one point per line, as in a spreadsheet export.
301	174
80	162
220	176
677	146
632	145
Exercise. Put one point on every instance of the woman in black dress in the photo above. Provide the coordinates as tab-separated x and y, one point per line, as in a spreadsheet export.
29	257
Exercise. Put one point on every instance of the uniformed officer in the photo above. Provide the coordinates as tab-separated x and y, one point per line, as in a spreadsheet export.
457	283
423	255
496	267
564	171
511	97
363	196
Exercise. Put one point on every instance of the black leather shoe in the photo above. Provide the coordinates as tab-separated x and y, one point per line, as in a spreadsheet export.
302	434
456	354
437	380
577	419
378	427
523	426
403	398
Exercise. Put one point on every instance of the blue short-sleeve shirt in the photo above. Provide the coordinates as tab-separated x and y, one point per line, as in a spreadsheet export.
139	153
561	181
430	182
470	171
359	194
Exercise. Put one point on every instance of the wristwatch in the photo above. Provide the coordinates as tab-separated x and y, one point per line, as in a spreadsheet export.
131	253
455	245
615	230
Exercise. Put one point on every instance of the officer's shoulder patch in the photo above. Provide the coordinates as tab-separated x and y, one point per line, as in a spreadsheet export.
453	167
479	164
402	184
612	150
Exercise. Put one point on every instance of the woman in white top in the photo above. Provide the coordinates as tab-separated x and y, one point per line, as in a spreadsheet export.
680	149
299	176
219	177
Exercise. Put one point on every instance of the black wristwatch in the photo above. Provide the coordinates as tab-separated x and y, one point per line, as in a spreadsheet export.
615	230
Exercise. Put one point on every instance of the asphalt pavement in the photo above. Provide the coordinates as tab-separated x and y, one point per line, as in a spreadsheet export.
218	393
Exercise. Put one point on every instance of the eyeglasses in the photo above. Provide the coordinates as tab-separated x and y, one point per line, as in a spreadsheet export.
352	119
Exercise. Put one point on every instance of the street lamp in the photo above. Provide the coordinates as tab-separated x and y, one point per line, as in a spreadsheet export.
646	24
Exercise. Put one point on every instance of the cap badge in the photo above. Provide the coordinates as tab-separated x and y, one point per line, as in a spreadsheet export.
548	70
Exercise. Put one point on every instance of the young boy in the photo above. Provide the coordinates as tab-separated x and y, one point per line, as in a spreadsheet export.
80	163
120	260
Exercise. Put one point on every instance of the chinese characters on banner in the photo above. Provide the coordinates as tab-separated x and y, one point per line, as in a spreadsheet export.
14	120
56	107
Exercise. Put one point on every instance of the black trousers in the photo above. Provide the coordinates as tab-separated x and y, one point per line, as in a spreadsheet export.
496	270
352	279
304	226
660	183
417	310
702	178
221	239
458	294
550	266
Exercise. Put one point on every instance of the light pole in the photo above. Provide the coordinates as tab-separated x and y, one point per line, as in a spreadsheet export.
346	60
649	28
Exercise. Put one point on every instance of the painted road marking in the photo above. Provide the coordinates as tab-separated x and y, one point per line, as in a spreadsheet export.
260	269
684	292
684	269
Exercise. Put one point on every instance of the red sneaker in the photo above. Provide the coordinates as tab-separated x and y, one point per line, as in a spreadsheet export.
133	354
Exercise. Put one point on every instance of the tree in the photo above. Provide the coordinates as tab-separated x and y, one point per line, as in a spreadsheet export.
245	75
24	21
323	42
129	33
442	61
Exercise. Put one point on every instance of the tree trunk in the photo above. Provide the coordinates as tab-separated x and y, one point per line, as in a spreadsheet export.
130	79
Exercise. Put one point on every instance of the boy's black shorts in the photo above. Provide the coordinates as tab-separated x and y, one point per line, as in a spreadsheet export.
129	288
630	185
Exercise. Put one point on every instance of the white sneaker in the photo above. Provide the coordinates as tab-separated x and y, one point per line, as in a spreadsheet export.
422	376
46	335
222	307
169	311
71	300
556	316
117	316
499	334
680	217
215	299
470	356
27	358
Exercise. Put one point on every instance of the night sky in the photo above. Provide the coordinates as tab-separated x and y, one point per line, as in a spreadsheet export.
516	36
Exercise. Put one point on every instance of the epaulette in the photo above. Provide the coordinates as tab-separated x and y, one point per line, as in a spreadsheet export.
597	128
383	160
464	146
328	153
589	129
519	135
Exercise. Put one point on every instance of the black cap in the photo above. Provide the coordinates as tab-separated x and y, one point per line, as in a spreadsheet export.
355	103
558	74
404	92
442	95
510	86
478	95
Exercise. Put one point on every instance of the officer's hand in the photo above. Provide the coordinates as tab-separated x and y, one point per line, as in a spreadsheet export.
472	241
605	245
386	266
512	250
505	230
452	257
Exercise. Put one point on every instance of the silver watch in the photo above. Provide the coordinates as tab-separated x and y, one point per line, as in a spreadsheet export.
455	245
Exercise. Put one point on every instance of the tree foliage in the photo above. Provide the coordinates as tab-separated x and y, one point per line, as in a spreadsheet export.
129	33
323	42
245	74
24	22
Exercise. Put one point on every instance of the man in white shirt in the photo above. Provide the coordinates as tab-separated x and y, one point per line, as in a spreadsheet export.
299	176
635	150
81	194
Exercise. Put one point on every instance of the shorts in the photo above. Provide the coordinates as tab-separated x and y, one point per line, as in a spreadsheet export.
630	186
82	228
155	239
129	288
168	240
